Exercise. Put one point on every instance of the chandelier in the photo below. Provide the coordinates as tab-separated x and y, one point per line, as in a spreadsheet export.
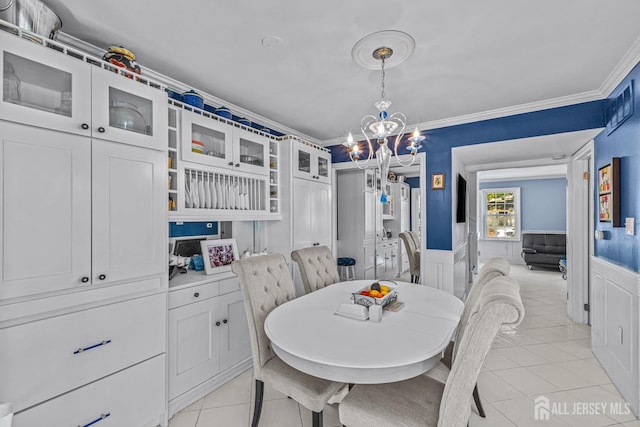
380	129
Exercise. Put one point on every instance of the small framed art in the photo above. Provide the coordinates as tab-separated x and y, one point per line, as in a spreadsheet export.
609	193
218	255
437	181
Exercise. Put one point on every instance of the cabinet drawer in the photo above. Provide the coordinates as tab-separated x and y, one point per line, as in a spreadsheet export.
40	360
193	294
231	284
133	397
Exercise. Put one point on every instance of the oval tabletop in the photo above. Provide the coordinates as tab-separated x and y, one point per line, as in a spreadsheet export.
308	335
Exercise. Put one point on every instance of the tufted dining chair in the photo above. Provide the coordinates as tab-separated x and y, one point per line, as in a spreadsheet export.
496	267
424	401
317	266
411	245
266	283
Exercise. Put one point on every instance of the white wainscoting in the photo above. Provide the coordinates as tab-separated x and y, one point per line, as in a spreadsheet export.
615	331
446	270
510	250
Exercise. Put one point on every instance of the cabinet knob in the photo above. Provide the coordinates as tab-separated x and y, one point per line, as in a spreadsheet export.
230	163
102	277
84	126
197	294
101	129
217	323
225	321
237	165
85	279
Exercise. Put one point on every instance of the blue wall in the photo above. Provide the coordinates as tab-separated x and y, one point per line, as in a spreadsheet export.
543	202
439	142
624	142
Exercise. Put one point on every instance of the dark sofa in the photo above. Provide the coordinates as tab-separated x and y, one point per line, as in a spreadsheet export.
544	250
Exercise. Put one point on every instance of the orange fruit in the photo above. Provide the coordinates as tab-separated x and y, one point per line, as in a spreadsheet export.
374	293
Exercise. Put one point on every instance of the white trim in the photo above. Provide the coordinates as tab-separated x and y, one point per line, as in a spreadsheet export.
483	216
621	70
579	226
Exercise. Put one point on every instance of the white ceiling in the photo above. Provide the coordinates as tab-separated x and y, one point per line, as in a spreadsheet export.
470	57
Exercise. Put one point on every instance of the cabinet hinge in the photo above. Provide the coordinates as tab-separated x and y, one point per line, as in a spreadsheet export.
585	176
587	307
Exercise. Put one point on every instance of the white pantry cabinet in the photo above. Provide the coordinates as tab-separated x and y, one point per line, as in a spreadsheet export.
77	212
208	338
312	219
83	260
58	92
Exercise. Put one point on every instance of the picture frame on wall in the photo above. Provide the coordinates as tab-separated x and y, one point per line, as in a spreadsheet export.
218	255
437	181
609	193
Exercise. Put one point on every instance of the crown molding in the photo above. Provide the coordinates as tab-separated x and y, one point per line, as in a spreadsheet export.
621	70
181	87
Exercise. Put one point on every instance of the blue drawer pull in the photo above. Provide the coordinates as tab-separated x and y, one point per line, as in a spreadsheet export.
97	420
80	350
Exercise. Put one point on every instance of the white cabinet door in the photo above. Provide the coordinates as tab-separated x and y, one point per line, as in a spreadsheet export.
45	215
206	141
129	212
311	163
369	215
126	111
312	214
193	345
44	88
235	345
251	152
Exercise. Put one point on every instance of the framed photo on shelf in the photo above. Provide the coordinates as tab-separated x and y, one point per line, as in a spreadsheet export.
218	255
437	181
609	193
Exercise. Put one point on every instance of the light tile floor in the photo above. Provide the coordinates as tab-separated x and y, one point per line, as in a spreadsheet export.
546	355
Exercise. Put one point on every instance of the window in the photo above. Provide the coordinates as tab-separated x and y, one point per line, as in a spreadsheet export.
501	213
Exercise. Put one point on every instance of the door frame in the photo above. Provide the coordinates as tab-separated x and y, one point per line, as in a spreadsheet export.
580	222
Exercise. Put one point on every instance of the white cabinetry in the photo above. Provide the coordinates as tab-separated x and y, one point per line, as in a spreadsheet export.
311	163
400	221
305	202
83	181
208	338
223	145
360	223
61	93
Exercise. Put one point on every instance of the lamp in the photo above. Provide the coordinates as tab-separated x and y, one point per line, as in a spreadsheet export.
380	129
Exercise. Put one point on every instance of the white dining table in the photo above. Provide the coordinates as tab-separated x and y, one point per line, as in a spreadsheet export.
308	335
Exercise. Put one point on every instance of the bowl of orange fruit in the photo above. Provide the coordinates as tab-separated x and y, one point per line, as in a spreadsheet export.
382	292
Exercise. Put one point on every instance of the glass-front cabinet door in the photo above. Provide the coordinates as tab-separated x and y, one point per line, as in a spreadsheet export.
251	152
206	141
43	88
311	163
127	111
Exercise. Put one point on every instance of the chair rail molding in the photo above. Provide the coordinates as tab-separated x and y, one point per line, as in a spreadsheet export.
615	326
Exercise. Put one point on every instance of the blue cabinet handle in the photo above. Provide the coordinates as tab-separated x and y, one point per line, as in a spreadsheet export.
80	350
97	420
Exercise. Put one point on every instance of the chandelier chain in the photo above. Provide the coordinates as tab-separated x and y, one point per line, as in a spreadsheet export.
382	94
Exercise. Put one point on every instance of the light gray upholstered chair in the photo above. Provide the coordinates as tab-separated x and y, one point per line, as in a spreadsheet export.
317	266
413	253
424	401
266	283
495	267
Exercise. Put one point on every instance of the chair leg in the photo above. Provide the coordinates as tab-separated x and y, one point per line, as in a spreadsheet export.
317	419
257	409
476	398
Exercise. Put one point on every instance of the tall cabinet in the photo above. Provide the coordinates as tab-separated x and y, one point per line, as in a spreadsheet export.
83	178
400	221
306	202
360	233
